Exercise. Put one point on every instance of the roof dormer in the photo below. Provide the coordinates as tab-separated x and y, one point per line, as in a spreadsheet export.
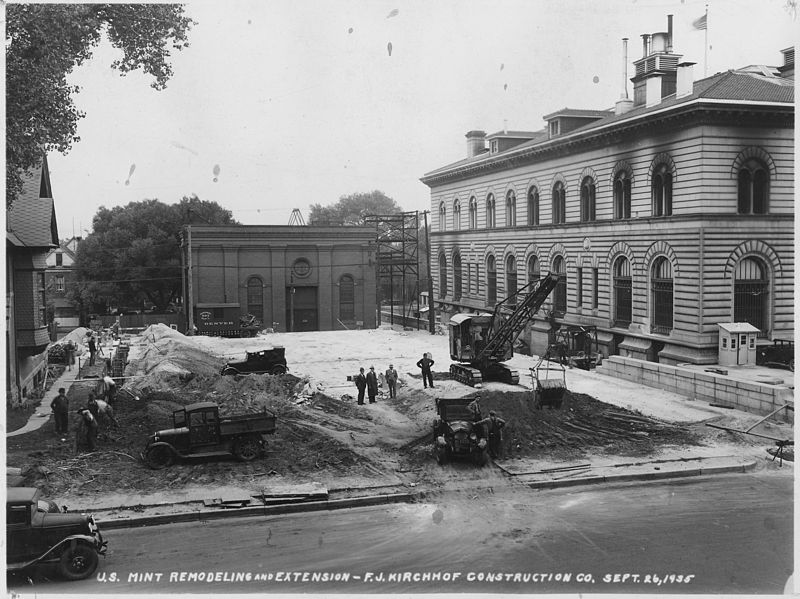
568	119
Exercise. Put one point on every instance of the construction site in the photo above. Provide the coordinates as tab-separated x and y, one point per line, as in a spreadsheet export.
323	436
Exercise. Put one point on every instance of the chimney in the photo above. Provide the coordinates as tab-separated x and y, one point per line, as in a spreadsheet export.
685	83
652	90
476	143
669	33
624	104
645	44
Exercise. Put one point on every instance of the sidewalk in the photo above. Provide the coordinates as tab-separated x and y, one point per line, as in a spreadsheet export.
81	374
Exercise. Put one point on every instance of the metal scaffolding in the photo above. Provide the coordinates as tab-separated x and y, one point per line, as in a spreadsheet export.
397	261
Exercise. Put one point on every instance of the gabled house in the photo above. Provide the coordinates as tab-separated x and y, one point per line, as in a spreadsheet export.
59	278
31	232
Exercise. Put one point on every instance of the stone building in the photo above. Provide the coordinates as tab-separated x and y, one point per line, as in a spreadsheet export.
293	278
668	214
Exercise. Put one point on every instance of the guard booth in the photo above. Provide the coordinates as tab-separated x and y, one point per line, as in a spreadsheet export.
737	343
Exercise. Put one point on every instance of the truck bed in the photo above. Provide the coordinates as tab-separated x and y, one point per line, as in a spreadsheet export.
262	422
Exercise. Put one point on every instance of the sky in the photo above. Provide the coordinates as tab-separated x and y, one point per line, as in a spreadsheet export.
280	104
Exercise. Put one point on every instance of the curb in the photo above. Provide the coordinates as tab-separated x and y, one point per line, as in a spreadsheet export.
272	510
644	476
370	500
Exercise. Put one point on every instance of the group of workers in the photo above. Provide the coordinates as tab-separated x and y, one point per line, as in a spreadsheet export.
98	410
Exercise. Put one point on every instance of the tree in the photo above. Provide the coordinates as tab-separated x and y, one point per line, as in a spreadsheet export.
133	254
45	42
352	209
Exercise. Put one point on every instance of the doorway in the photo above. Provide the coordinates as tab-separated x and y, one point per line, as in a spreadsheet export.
302	313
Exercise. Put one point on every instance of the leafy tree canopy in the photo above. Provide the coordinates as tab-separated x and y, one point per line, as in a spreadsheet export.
45	42
133	253
352	209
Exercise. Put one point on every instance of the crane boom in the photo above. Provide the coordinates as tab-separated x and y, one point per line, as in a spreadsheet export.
509	319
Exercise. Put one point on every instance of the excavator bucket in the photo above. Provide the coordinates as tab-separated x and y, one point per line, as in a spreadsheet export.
549	384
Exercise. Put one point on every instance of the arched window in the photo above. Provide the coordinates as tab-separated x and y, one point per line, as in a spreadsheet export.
661	295
622	195
511	275
511	209
560	292
661	190
533	206
442	275
491	281
588	199
490	212
255	297
751	294
533	269
457	277
473	213
442	217
623	292
456	215
347	299
753	188
559	203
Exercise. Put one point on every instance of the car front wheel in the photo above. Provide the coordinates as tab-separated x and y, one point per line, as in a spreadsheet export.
278	369
78	561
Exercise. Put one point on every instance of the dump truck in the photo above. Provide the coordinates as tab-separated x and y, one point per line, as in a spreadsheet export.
456	433
480	343
199	431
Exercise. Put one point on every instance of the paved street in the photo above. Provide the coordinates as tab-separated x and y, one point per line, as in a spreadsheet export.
716	534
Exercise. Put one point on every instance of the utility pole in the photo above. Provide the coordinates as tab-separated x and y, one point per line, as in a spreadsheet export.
189	285
431	316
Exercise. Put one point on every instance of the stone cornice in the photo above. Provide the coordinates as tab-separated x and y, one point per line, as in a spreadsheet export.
680	116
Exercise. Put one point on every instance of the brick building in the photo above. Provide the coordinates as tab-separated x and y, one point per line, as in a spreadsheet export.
296	278
668	213
31	232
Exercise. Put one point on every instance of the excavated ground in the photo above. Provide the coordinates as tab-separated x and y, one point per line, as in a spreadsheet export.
318	437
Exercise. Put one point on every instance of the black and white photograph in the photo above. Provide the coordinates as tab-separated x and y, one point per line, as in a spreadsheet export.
400	298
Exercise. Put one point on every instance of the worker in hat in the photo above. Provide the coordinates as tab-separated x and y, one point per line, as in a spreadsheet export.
391	381
494	428
372	384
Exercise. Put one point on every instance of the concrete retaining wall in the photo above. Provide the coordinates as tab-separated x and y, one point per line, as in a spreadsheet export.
757	398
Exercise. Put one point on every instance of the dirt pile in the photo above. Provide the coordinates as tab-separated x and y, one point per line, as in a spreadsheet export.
167	360
582	423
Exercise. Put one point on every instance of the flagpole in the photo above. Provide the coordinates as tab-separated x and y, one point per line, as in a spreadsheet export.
705	58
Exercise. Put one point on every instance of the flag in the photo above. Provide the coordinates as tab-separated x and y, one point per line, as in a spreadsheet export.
701	23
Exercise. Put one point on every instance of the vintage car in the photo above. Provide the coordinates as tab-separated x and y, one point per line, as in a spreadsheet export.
778	355
266	361
457	432
39	532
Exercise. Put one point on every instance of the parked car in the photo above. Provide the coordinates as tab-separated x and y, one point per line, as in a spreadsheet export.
778	355
266	361
455	432
39	532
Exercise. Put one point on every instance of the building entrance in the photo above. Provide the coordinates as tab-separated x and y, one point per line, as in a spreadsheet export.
302	313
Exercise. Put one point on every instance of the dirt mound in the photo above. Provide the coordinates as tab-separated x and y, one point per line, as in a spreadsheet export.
581	423
168	360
